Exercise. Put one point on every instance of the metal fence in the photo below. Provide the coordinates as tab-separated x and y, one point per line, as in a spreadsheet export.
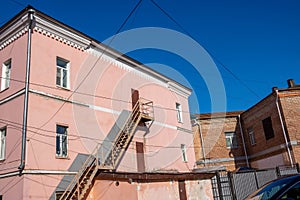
238	185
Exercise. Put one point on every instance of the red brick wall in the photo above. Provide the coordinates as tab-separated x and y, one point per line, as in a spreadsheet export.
217	154
290	104
253	118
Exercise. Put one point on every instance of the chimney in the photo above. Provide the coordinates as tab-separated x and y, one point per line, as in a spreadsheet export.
291	83
274	88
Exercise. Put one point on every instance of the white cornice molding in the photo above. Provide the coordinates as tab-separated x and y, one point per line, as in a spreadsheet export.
126	67
58	33
13	32
178	89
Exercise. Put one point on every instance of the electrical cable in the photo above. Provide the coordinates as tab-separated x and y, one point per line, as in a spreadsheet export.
213	56
93	66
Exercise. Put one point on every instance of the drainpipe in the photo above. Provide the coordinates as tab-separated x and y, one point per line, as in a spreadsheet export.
202	141
283	129
25	111
242	134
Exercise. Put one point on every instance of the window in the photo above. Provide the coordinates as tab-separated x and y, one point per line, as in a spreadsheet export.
62	72
231	140
2	143
251	136
61	141
268	129
58	194
183	150
6	70
179	112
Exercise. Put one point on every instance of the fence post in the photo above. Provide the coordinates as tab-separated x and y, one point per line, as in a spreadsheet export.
231	184
219	185
256	181
278	172
297	167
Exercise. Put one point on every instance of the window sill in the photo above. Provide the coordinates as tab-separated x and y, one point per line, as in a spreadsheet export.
4	90
63	157
63	88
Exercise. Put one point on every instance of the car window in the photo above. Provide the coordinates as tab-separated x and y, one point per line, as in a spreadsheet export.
293	193
269	190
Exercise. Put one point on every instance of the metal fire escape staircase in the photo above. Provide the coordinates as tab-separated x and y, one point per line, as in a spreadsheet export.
81	183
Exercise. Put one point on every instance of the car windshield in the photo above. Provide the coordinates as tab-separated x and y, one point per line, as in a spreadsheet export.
269	190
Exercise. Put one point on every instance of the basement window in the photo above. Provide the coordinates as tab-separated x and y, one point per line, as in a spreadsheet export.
268	128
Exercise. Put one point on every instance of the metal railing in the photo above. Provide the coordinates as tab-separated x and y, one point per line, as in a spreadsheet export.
99	159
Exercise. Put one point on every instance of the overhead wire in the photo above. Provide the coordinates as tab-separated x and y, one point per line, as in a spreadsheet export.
97	96
213	56
112	142
93	66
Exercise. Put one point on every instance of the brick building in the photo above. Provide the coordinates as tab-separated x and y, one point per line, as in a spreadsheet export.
263	136
218	141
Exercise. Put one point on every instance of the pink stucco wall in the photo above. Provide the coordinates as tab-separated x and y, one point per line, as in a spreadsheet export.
164	190
11	117
99	90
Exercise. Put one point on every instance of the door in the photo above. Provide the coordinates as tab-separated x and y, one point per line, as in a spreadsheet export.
182	190
140	156
134	97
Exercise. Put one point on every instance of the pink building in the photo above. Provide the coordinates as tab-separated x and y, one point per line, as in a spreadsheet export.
79	120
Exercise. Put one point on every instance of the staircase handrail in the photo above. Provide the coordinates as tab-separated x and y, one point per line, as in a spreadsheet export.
76	178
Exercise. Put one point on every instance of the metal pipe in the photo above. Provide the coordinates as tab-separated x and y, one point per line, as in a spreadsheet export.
242	134
202	141
25	111
283	130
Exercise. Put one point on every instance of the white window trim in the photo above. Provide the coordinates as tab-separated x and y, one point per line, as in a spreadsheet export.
61	143
184	155
2	143
68	73
233	135
179	112
251	136
5	80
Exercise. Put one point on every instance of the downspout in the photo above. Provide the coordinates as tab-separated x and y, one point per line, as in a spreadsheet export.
283	130
25	111
244	146
202	141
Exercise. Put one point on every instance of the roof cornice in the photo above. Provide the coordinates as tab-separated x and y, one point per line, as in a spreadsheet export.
8	34
59	31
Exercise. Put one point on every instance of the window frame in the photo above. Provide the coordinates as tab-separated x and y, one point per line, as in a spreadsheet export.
60	70
251	135
268	128
183	151
179	112
3	133
6	74
231	135
60	144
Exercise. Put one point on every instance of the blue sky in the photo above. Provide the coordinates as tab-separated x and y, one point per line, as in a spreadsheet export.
257	42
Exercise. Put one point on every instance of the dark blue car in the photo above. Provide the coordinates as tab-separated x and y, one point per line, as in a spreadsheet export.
287	188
